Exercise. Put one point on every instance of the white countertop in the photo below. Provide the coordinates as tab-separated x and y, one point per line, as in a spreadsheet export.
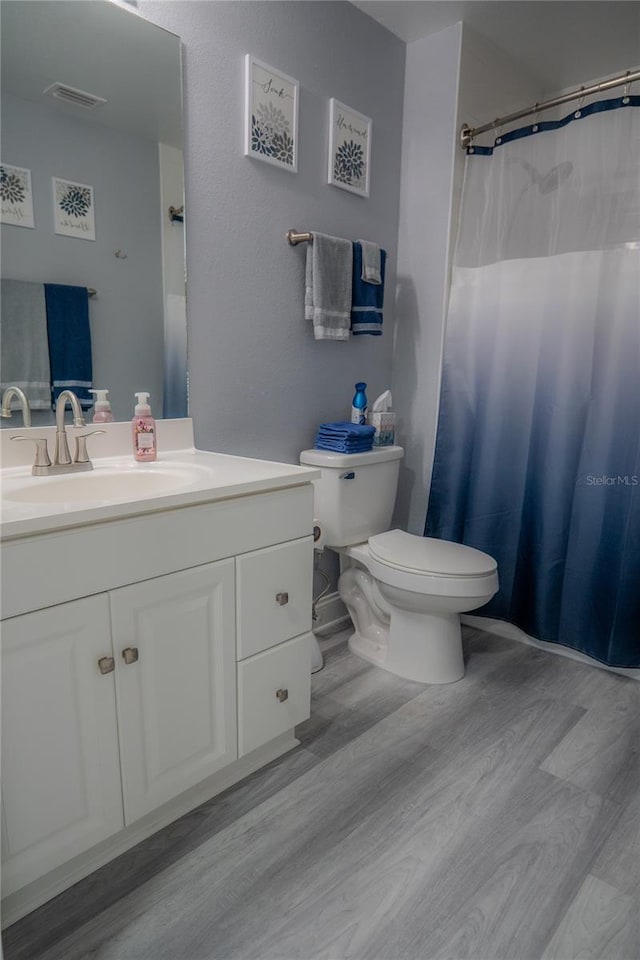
196	476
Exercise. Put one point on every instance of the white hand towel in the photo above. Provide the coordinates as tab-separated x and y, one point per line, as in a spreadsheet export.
328	277
371	268
25	350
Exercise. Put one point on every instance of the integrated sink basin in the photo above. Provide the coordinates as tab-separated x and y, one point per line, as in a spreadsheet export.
119	488
101	485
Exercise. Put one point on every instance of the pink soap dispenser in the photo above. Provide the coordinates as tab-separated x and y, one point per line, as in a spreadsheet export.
102	409
144	431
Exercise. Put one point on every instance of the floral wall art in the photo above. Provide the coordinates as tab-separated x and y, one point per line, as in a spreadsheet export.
349	148
74	211
16	196
271	115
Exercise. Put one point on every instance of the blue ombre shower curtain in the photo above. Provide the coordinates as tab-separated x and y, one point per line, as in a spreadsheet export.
537	456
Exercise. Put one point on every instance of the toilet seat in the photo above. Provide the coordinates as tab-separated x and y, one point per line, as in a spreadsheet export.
426	555
428	566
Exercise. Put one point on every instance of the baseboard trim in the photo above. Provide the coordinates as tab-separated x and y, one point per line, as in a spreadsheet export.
331	614
17	905
502	628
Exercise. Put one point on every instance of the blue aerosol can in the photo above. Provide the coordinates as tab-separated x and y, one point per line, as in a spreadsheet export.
359	404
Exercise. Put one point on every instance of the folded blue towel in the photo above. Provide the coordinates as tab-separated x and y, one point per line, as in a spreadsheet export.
366	298
340	446
354	444
342	436
69	341
344	428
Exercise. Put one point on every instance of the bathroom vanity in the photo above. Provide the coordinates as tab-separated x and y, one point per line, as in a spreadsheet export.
155	646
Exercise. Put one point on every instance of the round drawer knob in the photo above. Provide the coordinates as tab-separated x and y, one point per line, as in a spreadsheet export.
282	599
282	695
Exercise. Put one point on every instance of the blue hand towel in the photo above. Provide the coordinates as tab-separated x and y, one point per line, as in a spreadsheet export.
346	429
338	446
69	341
341	436
367	298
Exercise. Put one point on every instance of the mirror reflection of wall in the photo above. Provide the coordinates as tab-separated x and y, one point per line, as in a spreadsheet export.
128	149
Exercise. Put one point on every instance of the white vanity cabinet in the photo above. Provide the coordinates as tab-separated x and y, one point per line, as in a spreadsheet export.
128	705
149	668
60	764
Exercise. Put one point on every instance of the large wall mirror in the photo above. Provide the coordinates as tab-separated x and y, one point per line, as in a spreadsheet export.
128	149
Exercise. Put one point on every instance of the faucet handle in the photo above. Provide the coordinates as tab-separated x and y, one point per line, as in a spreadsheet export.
42	453
80	454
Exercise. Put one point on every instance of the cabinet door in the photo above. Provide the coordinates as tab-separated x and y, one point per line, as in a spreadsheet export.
60	767
174	642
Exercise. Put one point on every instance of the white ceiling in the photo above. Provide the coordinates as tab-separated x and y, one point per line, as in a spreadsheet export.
561	43
103	49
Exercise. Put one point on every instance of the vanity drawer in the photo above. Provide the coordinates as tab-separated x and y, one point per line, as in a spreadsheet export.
273	595
274	692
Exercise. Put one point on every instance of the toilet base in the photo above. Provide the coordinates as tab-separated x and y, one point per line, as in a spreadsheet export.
419	647
413	644
371	652
425	647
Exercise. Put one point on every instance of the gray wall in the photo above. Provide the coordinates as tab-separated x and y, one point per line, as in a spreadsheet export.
127	315
259	382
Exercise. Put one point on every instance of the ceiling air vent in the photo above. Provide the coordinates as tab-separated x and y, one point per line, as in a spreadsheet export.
61	91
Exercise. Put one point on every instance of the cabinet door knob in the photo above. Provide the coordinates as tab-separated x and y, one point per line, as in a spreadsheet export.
282	598
130	654
282	695
106	664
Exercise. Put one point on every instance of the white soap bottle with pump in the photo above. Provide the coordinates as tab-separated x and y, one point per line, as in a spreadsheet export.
102	411
144	430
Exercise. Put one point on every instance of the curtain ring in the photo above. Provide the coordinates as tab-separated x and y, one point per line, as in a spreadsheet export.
578	112
498	130
534	127
625	91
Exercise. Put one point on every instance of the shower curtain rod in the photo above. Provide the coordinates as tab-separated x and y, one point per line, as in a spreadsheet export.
467	133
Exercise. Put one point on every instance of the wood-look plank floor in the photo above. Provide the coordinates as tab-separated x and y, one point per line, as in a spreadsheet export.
493	818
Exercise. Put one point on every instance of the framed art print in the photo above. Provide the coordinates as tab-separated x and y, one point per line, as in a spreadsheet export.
271	115
73	209
15	196
349	148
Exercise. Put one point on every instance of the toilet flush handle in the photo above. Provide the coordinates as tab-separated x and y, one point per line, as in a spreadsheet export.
347	476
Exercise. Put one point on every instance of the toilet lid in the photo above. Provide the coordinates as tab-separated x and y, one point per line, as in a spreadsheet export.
429	556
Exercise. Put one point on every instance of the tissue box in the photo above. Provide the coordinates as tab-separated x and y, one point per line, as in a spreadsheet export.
385	427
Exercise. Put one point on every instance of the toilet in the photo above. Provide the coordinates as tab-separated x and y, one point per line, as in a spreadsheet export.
404	593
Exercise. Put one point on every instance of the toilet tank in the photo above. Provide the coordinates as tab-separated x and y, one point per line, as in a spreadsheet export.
356	493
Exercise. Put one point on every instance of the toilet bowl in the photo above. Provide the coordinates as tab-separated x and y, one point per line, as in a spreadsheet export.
405	595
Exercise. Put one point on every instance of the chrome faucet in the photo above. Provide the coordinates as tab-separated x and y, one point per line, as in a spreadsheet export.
62	455
62	462
8	396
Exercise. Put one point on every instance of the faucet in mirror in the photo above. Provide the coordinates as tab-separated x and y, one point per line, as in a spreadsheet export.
91	163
